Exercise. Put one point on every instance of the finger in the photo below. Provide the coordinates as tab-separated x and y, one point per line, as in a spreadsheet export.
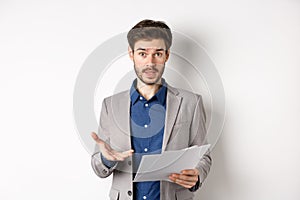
127	153
183	183
109	156
188	178
192	172
122	155
114	155
96	138
118	155
172	178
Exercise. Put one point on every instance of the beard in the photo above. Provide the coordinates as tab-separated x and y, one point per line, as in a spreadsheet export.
139	71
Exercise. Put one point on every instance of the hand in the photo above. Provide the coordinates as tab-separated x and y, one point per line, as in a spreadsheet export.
187	178
108	152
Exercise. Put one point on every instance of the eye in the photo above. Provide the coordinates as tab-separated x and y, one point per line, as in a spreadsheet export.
158	54
142	54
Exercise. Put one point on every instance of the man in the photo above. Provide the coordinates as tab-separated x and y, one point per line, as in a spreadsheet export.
150	118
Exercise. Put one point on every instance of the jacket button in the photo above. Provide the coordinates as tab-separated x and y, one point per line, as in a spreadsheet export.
104	171
129	162
129	193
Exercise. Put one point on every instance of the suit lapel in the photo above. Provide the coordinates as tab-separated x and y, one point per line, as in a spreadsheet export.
172	108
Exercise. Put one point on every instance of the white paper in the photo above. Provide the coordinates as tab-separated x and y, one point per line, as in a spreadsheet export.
160	166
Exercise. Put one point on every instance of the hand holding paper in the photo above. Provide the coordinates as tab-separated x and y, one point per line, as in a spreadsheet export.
187	178
160	166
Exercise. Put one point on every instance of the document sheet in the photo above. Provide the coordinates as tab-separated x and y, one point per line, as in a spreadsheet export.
160	166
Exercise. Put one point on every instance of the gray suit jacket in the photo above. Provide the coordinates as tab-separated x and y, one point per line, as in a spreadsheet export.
184	127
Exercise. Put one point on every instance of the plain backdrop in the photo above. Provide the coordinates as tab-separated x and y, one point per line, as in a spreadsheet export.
254	44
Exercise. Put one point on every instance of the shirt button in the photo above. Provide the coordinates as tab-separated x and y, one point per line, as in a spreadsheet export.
129	162
144	197
129	193
141	98
146	105
145	149
145	125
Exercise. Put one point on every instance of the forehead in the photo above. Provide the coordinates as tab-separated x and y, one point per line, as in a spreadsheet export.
150	44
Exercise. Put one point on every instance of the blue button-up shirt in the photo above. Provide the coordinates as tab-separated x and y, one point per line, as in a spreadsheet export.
147	130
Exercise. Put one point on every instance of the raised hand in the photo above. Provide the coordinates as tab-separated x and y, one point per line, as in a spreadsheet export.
108	152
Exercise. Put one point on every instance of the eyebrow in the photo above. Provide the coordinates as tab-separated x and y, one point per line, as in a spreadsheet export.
144	49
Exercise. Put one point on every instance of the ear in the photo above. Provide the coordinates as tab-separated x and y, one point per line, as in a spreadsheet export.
130	53
167	55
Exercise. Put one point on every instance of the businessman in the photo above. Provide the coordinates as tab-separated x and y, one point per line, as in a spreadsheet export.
149	118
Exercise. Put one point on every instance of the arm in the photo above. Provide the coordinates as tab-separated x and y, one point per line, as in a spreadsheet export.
200	138
105	159
102	170
193	178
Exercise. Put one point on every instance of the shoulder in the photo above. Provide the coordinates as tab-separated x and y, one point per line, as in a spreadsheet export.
185	95
117	97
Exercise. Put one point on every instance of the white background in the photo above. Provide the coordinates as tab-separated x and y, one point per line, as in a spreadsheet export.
255	45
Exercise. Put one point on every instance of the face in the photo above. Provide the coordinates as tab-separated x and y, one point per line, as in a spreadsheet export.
149	58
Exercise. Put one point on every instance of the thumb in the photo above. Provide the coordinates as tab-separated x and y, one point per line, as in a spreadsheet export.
96	138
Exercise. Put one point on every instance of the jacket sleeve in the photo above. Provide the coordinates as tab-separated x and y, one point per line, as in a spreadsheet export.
199	137
98	166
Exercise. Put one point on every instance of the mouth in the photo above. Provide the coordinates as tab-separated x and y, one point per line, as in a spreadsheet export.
150	73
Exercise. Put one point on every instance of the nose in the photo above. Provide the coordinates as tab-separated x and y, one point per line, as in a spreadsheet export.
150	60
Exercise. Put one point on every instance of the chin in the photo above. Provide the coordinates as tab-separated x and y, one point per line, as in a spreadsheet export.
150	82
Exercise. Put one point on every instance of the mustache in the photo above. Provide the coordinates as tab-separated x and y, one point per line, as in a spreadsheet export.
150	69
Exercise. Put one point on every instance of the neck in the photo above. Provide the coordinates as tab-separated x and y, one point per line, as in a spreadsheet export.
148	91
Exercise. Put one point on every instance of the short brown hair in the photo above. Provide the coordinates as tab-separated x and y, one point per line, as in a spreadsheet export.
148	30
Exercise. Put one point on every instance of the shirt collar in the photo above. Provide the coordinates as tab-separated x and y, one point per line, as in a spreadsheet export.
160	94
